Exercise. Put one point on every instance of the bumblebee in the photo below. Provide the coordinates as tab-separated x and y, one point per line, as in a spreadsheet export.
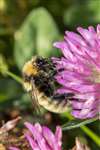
38	80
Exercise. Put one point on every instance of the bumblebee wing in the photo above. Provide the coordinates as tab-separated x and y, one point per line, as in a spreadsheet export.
34	97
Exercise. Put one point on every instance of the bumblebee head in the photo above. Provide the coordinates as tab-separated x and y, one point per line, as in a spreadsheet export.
30	68
29	71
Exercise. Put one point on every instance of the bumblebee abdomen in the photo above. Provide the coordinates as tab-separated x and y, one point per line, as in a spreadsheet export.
52	104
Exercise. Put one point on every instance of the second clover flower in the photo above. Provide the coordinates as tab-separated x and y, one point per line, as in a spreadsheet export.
42	137
80	73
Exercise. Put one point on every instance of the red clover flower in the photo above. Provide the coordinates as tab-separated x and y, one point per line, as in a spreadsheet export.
42	137
78	70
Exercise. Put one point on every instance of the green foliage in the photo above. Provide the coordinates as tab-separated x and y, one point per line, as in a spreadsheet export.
36	36
9	89
83	14
77	123
3	65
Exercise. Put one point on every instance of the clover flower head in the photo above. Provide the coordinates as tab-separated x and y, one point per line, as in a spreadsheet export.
78	70
42	138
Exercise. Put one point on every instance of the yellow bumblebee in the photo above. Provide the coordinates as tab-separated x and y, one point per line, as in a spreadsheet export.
38	76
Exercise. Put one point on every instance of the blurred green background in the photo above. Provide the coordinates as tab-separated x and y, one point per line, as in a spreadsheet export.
27	28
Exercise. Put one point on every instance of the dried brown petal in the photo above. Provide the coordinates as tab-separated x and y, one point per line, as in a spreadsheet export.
79	145
9	125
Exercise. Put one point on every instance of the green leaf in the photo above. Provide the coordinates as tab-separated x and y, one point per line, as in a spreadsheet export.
35	36
3	65
8	90
83	14
76	124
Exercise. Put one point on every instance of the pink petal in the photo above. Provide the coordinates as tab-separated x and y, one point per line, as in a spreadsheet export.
50	138
58	135
32	142
37	135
